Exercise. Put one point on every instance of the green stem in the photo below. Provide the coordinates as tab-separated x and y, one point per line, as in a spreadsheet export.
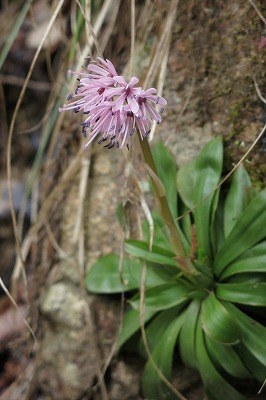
162	200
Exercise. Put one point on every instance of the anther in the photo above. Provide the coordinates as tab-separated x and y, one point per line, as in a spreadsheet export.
69	97
161	110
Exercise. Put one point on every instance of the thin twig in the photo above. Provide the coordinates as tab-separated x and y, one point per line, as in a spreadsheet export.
227	176
258	11
263	99
94	37
5	289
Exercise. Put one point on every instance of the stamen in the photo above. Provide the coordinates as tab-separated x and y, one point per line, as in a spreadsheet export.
113	137
69	97
132	132
128	146
111	146
161	110
76	109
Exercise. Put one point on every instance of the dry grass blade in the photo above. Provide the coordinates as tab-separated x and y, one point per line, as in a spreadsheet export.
132	33
94	37
162	44
3	286
258	11
10	135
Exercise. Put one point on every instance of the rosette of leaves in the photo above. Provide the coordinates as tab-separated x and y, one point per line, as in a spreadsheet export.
215	320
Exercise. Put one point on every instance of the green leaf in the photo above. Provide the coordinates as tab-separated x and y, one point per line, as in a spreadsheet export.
187	335
156	328
237	198
185	182
153	387
185	222
249	230
253	260
251	277
226	357
215	384
131	324
252	364
208	170
217	322
253	294
104	275
253	333
158	255
216	227
162	297
166	167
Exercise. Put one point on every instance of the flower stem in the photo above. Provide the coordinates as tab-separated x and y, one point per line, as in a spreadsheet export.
162	200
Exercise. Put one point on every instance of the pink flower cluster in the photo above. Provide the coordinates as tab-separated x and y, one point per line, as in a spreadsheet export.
114	107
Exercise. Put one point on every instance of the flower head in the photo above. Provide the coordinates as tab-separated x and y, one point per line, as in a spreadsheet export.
114	107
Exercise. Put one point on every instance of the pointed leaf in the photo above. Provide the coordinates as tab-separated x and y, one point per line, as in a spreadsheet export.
253	294
252	364
187	334
104	275
216	227
186	177
158	255
217	322
215	384
237	198
156	328
208	173
153	387
249	230
253	333
166	167
131	324
185	222
226	357
162	297
253	260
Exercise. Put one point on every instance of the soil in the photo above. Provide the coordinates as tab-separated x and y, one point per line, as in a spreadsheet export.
217	51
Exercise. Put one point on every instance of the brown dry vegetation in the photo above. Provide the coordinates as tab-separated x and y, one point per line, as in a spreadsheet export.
215	81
